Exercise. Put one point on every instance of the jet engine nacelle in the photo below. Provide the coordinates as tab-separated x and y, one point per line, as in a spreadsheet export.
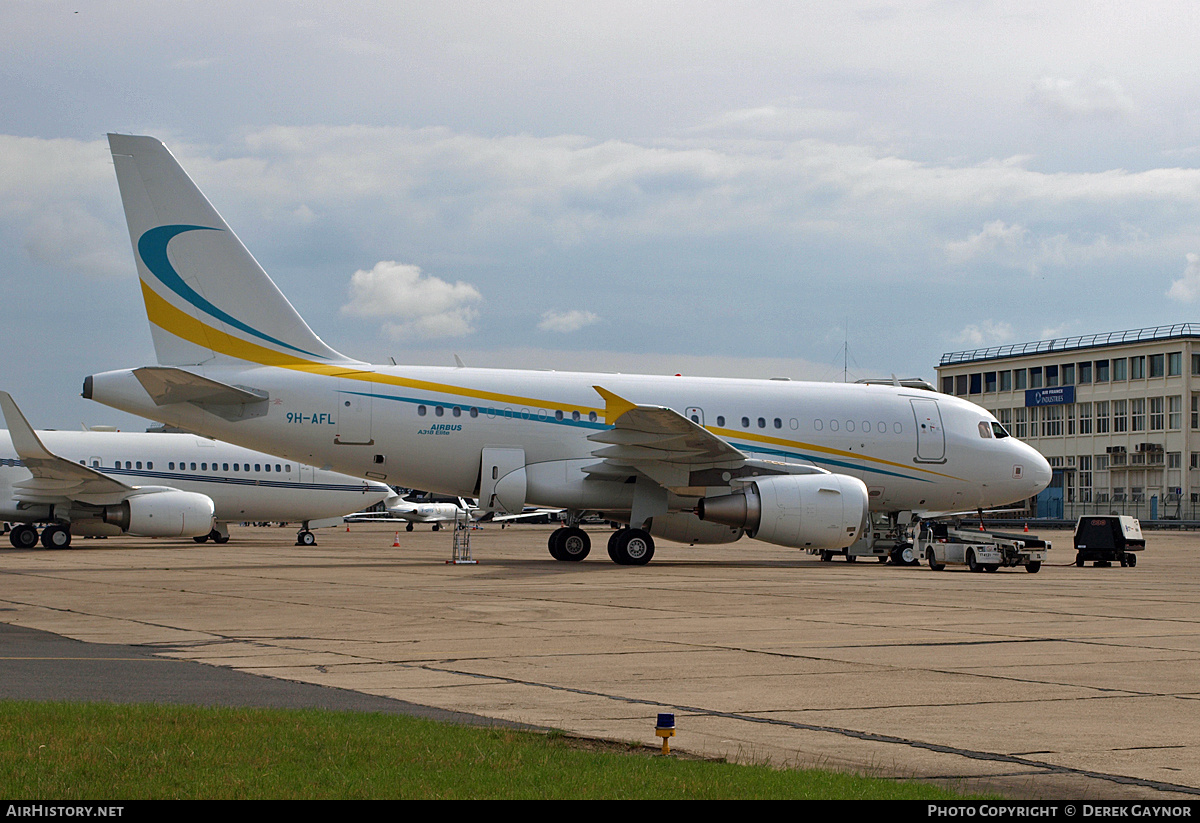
685	527
168	513
812	511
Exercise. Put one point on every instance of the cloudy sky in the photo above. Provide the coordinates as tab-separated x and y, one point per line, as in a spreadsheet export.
727	188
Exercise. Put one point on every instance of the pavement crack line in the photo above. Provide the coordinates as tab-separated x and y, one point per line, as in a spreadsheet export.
871	737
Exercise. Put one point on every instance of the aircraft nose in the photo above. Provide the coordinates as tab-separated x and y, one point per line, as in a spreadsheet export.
1032	468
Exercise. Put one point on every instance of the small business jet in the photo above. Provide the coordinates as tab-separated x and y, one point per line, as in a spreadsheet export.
435	512
691	459
439	510
157	485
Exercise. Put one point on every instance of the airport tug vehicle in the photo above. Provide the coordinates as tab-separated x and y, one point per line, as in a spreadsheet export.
1103	539
941	545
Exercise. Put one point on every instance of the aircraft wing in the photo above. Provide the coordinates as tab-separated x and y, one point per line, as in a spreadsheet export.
505	518
55	478
658	442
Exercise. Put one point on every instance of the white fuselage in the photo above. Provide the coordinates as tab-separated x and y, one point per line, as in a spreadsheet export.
243	484
426	427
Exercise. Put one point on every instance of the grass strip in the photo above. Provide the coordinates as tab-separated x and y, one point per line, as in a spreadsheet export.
98	751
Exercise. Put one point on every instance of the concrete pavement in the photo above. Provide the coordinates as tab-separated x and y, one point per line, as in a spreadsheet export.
1070	683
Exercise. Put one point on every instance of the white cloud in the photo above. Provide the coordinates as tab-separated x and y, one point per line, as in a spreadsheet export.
995	235
566	322
414	306
1082	97
1187	288
985	333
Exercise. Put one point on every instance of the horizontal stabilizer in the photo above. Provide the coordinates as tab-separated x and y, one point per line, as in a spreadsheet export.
167	386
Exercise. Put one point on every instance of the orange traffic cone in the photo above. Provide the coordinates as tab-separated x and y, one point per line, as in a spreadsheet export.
1026	528
396	542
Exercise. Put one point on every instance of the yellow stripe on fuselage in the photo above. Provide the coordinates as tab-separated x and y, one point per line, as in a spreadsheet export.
171	319
174	321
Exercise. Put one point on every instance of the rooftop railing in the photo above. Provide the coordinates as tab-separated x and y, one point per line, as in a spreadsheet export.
1085	341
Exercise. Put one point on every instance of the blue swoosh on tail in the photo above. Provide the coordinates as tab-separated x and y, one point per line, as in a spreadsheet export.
152	246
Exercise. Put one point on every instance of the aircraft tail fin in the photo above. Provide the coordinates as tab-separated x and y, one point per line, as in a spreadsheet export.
207	298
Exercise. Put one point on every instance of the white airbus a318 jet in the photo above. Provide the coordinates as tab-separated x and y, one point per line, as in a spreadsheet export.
692	459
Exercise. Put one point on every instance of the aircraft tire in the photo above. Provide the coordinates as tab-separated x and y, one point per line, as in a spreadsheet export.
631	547
221	539
573	544
306	538
56	537
23	537
931	559
554	543
201	538
408	527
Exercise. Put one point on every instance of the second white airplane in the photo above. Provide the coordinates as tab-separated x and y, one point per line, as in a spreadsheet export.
93	483
691	459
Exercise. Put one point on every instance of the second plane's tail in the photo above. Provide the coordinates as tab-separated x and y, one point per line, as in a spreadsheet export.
207	298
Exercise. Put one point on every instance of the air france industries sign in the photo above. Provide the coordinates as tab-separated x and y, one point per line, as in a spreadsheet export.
1050	397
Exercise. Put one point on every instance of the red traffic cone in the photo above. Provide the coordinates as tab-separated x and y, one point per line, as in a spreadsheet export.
396	541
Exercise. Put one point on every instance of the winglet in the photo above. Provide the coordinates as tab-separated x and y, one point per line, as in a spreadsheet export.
24	439
614	406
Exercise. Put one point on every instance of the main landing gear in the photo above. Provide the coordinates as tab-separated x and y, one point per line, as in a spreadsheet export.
627	547
218	535
54	536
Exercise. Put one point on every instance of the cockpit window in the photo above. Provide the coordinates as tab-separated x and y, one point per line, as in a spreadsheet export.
999	431
985	430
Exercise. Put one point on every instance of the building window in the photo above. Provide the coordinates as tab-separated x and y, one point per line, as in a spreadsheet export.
1052	421
1035	377
1085	373
1101	371
1174	364
989	381
1052	376
1137	414
1137	368
1005	381
960	384
1157	365
1175	413
1085	418
1157	414
1021	430
1102	419
1019	379
948	385
1068	374
1120	416
976	383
